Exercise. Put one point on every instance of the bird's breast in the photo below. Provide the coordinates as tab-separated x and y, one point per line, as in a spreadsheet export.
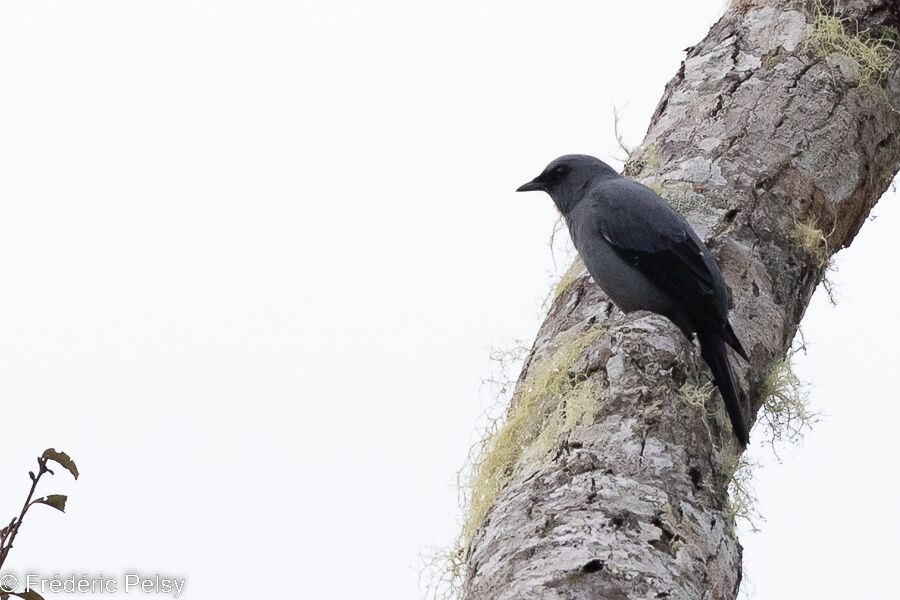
624	284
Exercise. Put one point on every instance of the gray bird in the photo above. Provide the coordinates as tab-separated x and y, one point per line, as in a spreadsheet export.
645	256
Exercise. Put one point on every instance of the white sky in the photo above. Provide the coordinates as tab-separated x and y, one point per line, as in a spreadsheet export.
254	255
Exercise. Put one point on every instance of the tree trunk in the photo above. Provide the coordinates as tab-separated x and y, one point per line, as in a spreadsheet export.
774	141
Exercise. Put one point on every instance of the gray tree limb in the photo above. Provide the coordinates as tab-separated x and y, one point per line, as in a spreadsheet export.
758	132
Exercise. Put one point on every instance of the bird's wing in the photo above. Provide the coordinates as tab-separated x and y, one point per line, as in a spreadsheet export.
649	235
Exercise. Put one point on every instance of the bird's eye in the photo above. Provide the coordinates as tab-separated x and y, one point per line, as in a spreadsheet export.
560	170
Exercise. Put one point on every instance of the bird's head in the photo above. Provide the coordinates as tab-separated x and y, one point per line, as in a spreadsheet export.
568	177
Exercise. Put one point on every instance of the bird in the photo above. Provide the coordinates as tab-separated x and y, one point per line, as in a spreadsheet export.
645	256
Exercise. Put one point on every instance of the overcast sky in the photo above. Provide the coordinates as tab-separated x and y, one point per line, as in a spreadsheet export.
254	256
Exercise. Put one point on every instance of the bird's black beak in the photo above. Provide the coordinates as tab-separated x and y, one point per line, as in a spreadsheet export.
532	186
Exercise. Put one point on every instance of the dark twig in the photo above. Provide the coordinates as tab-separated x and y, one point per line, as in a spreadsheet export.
9	533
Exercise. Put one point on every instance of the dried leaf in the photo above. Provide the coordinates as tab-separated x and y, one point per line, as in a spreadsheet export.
63	459
57	501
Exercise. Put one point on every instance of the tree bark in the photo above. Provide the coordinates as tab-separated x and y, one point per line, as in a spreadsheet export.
758	132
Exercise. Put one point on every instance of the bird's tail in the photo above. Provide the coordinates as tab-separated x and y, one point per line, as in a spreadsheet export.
713	351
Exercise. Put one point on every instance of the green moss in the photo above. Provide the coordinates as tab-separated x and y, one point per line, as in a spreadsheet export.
444	573
786	410
871	55
698	397
787	416
548	405
813	241
742	501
